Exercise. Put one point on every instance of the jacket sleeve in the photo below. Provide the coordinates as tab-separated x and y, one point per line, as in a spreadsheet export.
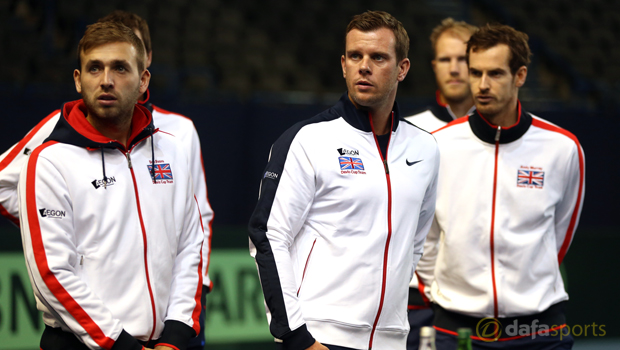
12	161
286	195
200	190
427	213
425	239
48	238
426	267
184	303
568	210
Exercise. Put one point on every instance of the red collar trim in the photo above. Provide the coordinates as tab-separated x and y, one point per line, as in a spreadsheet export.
507	127
438	98
147	96
372	128
76	117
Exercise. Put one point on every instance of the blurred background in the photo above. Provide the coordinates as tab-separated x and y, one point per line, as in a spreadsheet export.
246	70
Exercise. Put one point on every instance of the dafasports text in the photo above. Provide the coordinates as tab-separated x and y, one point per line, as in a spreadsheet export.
491	329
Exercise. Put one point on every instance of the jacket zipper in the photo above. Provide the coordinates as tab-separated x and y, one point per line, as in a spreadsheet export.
495	304
146	266
389	235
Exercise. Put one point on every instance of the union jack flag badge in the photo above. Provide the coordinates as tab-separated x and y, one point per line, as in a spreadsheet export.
530	178
162	171
349	163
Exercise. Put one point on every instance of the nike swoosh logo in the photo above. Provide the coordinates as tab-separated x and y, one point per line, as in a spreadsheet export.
412	163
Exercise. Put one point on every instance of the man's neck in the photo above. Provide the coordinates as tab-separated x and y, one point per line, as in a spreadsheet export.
119	129
380	116
459	108
506	117
381	121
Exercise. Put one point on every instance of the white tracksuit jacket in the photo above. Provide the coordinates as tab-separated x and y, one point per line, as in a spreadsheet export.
435	116
337	232
112	254
430	119
13	159
508	205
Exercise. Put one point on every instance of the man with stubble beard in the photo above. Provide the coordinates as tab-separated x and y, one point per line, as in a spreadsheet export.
509	198
453	96
346	200
110	228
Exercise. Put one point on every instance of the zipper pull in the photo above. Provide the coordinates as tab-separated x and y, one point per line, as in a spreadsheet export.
82	260
387	170
128	160
499	130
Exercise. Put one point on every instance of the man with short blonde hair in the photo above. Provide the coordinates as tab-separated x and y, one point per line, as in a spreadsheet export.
453	97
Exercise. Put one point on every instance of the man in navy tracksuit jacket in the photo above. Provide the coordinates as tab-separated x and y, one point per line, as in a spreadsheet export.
346	201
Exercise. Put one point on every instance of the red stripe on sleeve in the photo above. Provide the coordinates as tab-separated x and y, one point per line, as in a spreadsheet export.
198	296
454	122
21	144
38	247
573	220
202	163
421	287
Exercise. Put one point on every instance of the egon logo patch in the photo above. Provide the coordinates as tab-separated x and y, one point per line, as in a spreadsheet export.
100	183
52	214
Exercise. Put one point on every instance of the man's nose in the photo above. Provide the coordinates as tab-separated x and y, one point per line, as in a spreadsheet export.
107	80
365	66
454	67
484	83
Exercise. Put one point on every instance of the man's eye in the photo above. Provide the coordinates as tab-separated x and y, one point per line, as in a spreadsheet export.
379	58
93	69
120	69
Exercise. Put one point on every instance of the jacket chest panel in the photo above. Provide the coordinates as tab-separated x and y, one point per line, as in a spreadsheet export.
116	203
349	170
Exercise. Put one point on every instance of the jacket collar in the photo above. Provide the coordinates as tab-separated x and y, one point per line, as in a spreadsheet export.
73	128
486	131
441	110
145	101
358	118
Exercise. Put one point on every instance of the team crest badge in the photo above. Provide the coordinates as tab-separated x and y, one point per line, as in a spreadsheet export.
530	177
350	165
160	173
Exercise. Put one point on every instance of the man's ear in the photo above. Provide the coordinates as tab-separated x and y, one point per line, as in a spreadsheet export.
77	80
403	69
145	78
343	63
520	76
